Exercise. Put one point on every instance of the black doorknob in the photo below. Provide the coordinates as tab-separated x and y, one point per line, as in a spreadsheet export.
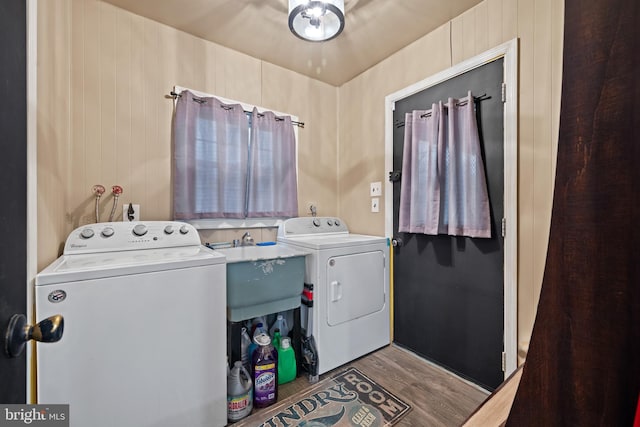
18	332
396	242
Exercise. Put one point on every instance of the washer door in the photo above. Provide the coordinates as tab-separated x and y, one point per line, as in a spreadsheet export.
355	286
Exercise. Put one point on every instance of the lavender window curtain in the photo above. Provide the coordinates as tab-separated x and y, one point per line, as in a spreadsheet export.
465	204
443	189
210	158
273	188
420	186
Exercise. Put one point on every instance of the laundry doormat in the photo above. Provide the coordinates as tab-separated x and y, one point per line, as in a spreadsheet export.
347	399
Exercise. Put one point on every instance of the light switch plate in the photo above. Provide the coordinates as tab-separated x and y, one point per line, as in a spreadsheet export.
376	189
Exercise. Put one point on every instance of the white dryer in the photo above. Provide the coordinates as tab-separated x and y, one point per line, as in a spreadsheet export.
350	277
144	327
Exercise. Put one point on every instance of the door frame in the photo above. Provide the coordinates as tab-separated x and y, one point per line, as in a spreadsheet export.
509	52
32	187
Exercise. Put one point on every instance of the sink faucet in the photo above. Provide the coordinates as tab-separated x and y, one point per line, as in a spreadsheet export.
247	240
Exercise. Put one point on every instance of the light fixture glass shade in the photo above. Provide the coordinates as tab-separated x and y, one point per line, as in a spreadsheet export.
316	21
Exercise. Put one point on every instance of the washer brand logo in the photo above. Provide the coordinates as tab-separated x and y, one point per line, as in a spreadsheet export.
75	245
57	296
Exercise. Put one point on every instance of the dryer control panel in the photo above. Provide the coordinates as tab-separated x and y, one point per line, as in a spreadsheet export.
123	236
303	226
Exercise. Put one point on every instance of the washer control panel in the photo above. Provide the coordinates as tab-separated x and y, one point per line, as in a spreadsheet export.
123	236
312	225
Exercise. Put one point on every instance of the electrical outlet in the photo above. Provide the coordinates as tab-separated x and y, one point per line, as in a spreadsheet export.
375	205
376	189
130	215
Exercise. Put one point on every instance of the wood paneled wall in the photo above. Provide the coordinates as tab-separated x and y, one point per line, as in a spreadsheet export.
103	117
538	24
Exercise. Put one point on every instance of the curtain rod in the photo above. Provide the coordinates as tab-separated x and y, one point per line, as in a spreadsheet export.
461	103
483	97
175	95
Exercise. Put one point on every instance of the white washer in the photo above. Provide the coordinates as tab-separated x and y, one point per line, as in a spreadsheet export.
144	327
350	274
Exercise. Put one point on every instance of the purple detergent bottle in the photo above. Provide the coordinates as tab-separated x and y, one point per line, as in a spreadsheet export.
265	372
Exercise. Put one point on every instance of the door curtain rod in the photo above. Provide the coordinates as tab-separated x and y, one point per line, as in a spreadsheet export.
483	97
175	95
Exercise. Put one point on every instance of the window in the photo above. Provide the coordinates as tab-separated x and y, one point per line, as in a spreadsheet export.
230	164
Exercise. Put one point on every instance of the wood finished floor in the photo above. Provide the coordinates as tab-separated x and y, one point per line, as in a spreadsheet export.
437	397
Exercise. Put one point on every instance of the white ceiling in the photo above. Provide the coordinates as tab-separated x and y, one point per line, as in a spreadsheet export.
374	29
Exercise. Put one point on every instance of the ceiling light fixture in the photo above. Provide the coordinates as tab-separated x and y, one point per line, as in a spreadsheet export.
316	21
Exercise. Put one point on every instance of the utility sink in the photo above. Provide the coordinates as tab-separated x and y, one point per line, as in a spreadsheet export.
263	280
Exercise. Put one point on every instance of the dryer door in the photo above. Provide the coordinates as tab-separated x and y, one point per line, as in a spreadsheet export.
355	286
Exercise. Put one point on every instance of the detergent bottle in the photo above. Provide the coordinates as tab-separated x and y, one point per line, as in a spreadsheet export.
287	369
252	347
245	343
275	340
265	372
281	325
239	393
256	322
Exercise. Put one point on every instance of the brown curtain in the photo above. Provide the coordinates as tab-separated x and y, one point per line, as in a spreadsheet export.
583	366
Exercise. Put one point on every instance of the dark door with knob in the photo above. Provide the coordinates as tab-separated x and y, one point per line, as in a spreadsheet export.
448	290
13	187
